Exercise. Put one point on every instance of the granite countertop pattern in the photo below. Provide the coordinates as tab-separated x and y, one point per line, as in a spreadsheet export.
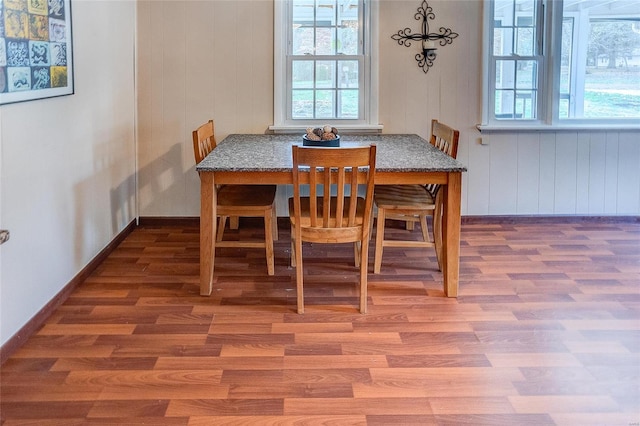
249	152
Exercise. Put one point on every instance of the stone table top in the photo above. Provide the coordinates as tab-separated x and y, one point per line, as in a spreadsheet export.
395	153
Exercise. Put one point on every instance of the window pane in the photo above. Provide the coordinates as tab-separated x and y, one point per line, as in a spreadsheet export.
566	56
526	27
302	103
348	74
515	26
302	41
505	74
325	13
303	10
325	27
525	41
564	108
348	39
302	74
503	13
325	74
526	75
325	104
525	104
600	68
502	41
504	104
325	41
520	104
348	104
303	18
612	82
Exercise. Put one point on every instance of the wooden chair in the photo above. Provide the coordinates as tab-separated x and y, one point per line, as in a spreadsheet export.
240	201
323	218
412	203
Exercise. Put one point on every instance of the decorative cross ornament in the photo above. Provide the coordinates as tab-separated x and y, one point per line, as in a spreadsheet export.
428	55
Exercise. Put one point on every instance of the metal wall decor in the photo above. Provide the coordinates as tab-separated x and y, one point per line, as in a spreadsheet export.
428	55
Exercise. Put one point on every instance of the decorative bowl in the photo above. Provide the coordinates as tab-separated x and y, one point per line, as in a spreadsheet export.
326	143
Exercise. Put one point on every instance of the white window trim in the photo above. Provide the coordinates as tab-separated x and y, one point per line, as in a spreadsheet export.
280	123
549	93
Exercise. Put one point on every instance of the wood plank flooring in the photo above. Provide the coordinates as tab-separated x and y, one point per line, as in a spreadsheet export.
546	330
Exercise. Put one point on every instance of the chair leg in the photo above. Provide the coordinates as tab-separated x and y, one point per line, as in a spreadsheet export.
364	270
234	222
299	276
274	221
377	260
268	240
409	225
437	229
293	248
222	223
356	253
373	217
424	229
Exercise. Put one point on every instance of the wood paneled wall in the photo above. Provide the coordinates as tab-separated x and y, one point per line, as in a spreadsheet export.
582	173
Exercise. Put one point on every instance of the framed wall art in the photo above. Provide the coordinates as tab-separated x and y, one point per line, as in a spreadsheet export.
36	59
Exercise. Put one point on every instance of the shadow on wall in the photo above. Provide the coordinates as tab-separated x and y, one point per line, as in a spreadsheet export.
161	184
123	204
98	219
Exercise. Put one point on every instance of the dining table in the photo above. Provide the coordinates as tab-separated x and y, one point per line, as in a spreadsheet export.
267	159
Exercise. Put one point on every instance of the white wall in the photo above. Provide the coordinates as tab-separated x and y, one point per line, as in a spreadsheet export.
67	183
213	59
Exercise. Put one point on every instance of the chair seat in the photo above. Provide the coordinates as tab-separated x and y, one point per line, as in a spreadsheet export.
403	197
246	195
306	207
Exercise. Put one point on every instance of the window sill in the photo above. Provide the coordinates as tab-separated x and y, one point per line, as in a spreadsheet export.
344	129
573	127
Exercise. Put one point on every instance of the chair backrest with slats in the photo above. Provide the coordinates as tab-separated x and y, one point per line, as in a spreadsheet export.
321	167
204	141
444	138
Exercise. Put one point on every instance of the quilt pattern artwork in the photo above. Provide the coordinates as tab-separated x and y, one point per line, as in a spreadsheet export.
35	49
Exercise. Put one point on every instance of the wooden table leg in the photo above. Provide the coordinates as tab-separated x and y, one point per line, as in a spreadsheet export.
208	223
451	234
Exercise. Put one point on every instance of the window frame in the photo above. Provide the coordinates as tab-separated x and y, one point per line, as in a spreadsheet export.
282	84
550	36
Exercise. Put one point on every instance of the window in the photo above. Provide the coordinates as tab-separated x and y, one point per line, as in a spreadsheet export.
323	64
559	62
516	60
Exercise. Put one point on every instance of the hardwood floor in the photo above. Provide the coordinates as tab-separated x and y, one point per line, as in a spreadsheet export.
546	330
